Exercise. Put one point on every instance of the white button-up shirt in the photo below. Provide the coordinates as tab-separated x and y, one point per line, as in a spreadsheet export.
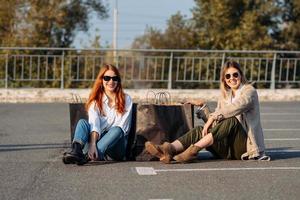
100	123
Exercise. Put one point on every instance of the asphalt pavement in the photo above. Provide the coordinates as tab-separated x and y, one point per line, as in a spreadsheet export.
33	138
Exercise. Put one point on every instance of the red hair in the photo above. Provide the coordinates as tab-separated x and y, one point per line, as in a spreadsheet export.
98	91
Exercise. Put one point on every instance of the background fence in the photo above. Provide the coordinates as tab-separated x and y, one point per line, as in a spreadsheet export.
73	68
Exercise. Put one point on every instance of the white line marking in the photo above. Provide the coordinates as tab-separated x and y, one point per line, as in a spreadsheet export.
154	171
283	151
229	169
281	129
280	120
280	114
282	139
151	171
160	199
268	151
145	171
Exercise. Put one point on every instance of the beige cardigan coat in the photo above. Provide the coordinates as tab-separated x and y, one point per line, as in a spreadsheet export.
246	109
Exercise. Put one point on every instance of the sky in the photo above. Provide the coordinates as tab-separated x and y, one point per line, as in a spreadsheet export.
133	17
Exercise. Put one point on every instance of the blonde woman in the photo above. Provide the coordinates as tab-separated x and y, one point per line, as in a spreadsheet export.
233	131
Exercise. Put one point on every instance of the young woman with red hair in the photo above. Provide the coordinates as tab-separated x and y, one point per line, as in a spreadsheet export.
109	112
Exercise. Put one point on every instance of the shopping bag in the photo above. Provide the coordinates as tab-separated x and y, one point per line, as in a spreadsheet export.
77	112
160	123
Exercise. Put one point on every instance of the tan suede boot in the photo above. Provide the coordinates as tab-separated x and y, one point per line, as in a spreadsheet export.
168	152
164	152
188	155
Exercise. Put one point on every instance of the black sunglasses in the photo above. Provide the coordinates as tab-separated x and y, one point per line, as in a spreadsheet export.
114	78
234	75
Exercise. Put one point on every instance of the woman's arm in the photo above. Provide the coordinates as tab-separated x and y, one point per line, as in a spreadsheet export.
196	102
93	152
94	122
241	104
207	125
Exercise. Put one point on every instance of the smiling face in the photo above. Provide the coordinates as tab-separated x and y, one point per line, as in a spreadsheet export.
110	81
232	78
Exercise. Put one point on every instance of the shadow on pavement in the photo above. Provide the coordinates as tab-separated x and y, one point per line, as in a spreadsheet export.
22	147
282	153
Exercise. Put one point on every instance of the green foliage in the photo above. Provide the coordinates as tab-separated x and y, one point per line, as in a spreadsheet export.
178	35
289	37
44	23
230	25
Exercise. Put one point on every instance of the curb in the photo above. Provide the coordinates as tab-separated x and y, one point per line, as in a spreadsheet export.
49	95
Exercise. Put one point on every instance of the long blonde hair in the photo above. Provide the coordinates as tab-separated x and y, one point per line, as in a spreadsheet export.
223	86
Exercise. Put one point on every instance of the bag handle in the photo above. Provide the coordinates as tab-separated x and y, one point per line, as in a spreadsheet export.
163	98
76	98
160	98
147	96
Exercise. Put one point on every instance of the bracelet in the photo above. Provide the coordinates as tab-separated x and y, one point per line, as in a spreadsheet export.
201	108
204	105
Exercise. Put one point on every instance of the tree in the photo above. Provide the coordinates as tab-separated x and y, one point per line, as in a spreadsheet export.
153	38
179	34
7	18
235	24
45	23
220	24
289	37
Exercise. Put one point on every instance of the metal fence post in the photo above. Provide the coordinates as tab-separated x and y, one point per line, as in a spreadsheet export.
170	72
116	58
62	70
272	86
6	72
223	59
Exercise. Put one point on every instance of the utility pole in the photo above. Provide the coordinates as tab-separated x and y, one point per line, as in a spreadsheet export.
115	34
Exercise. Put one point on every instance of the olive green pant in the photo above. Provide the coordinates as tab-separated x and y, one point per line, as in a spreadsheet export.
229	139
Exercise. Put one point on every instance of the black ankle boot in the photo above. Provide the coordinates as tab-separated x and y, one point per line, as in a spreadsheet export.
76	155
77	148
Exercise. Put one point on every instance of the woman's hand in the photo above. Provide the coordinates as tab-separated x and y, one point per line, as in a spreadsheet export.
196	102
207	125
93	152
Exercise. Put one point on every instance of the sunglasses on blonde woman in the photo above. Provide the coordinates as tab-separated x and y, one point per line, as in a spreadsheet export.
114	78
234	75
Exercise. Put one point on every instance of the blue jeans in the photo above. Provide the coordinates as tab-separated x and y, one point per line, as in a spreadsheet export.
112	143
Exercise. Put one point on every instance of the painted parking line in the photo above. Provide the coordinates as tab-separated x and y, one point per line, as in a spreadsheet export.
160	199
267	151
282	139
281	129
151	171
145	170
283	151
280	114
280	120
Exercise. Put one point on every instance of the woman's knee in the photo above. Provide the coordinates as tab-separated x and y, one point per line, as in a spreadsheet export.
82	123
231	121
112	136
82	126
82	131
117	131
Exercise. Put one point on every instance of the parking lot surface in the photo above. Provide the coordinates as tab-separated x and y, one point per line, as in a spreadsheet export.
33	138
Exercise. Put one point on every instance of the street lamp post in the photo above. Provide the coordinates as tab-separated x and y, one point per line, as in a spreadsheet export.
115	33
